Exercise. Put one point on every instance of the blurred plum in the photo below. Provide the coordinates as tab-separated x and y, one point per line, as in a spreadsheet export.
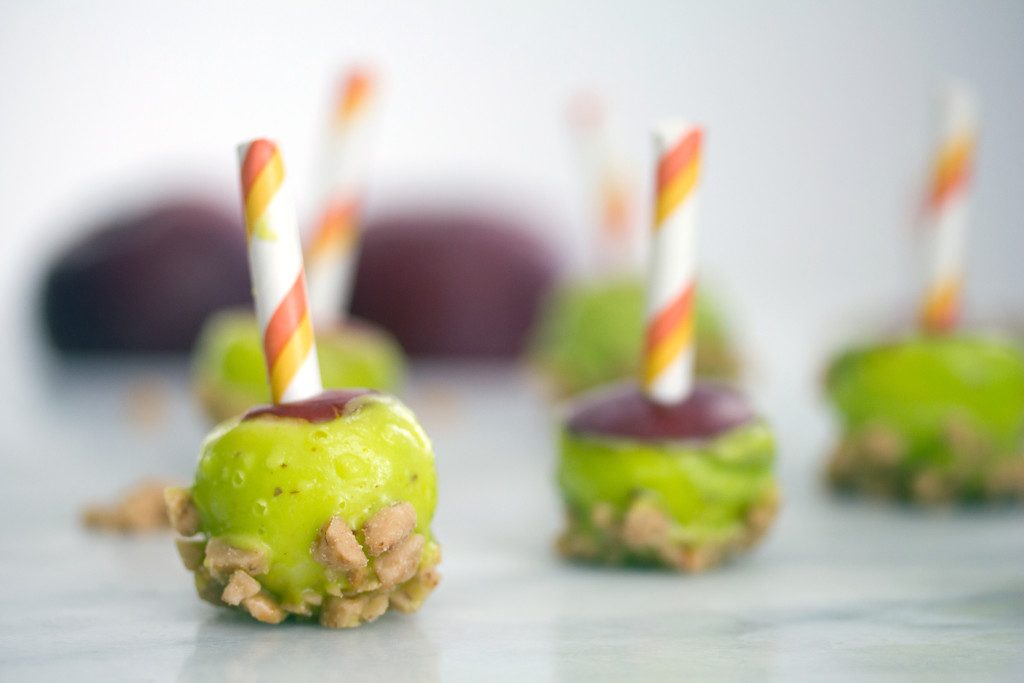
146	281
453	283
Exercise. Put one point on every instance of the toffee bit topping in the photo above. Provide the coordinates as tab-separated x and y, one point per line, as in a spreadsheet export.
239	588
362	580
694	559
208	588
191	552
929	487
352	611
223	559
400	563
645	526
647	533
307	601
409	597
141	508
181	511
761	515
225	574
336	546
389	526
342	612
375	606
264	608
603	516
882	445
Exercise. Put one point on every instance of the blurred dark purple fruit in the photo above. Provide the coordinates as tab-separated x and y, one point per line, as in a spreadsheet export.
626	412
146	282
455	283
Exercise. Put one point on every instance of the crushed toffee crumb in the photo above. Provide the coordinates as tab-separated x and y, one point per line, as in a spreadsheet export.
264	608
208	588
389	526
240	587
645	526
645	533
336	546
342	612
362	579
225	574
399	564
139	509
181	510
375	606
223	559
191	552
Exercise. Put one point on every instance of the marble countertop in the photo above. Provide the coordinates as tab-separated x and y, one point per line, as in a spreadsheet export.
841	590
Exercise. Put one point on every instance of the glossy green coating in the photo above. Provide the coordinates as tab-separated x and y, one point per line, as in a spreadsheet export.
231	377
591	333
917	385
270	483
706	487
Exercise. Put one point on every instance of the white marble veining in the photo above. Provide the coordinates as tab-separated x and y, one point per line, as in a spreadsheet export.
842	590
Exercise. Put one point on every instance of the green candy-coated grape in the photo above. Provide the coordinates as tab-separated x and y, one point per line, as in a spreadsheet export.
270	483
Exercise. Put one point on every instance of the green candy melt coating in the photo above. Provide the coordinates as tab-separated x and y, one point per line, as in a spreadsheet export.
706	487
231	374
591	333
917	385
270	483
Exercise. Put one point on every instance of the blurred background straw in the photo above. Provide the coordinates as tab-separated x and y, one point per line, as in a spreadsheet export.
333	243
946	209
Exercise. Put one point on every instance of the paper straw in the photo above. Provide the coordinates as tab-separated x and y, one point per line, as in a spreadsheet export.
607	182
946	211
669	348
331	255
278	283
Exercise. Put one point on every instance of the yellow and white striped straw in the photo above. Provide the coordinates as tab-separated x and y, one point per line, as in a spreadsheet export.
946	210
331	254
275	265
669	348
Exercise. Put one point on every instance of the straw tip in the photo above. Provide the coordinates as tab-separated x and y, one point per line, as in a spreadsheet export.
358	76
253	156
356	87
257	147
668	131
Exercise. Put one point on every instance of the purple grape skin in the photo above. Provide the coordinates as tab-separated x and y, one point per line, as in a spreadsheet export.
625	412
323	407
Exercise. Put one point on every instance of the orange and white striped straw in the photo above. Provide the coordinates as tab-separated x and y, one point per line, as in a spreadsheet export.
278	282
607	182
331	254
669	346
946	211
